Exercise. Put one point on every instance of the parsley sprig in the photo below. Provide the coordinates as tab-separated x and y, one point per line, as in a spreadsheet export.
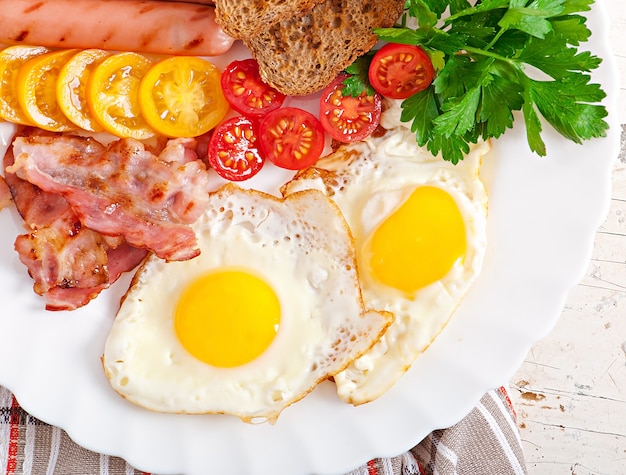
495	57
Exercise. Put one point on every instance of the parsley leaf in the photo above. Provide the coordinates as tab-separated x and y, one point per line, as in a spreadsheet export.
452	149
357	80
459	114
555	58
495	57
571	117
532	19
572	29
533	129
500	97
424	14
421	109
575	6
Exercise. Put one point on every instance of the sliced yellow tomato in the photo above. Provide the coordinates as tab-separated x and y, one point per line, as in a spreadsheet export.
11	59
37	90
181	96
72	88
113	95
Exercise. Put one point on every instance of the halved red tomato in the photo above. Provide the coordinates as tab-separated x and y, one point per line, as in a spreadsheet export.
291	138
348	118
245	90
399	71
233	150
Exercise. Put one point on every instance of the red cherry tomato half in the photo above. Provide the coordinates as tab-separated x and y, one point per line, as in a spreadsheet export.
346	118
233	149
291	138
399	71
245	90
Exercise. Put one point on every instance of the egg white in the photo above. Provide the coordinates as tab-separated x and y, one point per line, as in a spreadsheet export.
302	248
369	181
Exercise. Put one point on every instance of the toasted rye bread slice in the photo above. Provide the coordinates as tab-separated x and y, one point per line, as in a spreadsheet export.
246	18
303	54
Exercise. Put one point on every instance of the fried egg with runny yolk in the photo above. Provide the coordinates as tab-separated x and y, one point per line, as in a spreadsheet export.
419	226
270	308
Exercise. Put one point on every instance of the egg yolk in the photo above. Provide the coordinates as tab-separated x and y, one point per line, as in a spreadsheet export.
227	318
419	243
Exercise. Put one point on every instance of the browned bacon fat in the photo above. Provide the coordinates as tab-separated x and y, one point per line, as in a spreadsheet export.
145	26
70	264
122	190
120	259
5	194
71	270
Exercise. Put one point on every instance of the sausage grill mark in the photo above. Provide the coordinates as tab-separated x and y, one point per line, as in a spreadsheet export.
33	7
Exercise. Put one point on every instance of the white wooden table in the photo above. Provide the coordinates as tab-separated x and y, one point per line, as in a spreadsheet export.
570	392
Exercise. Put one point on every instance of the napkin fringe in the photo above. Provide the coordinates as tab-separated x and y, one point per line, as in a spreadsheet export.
487	440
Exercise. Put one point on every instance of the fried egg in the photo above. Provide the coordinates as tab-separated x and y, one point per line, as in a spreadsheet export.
270	308
419	226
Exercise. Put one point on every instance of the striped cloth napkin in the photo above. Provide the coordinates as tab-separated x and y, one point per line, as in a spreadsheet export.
485	442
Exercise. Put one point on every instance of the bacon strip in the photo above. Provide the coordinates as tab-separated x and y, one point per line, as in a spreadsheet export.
69	263
123	190
119	260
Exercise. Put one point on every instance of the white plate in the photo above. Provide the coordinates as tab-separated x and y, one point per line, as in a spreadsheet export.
543	216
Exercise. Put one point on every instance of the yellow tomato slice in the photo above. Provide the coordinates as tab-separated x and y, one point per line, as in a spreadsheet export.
37	91
113	95
11	59
181	96
72	88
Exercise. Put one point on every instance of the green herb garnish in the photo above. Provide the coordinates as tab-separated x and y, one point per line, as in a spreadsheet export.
497	57
357	81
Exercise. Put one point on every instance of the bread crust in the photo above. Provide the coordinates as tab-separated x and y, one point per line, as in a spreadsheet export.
245	18
304	53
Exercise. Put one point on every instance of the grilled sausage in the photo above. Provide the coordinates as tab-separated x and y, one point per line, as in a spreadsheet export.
201	2
145	26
